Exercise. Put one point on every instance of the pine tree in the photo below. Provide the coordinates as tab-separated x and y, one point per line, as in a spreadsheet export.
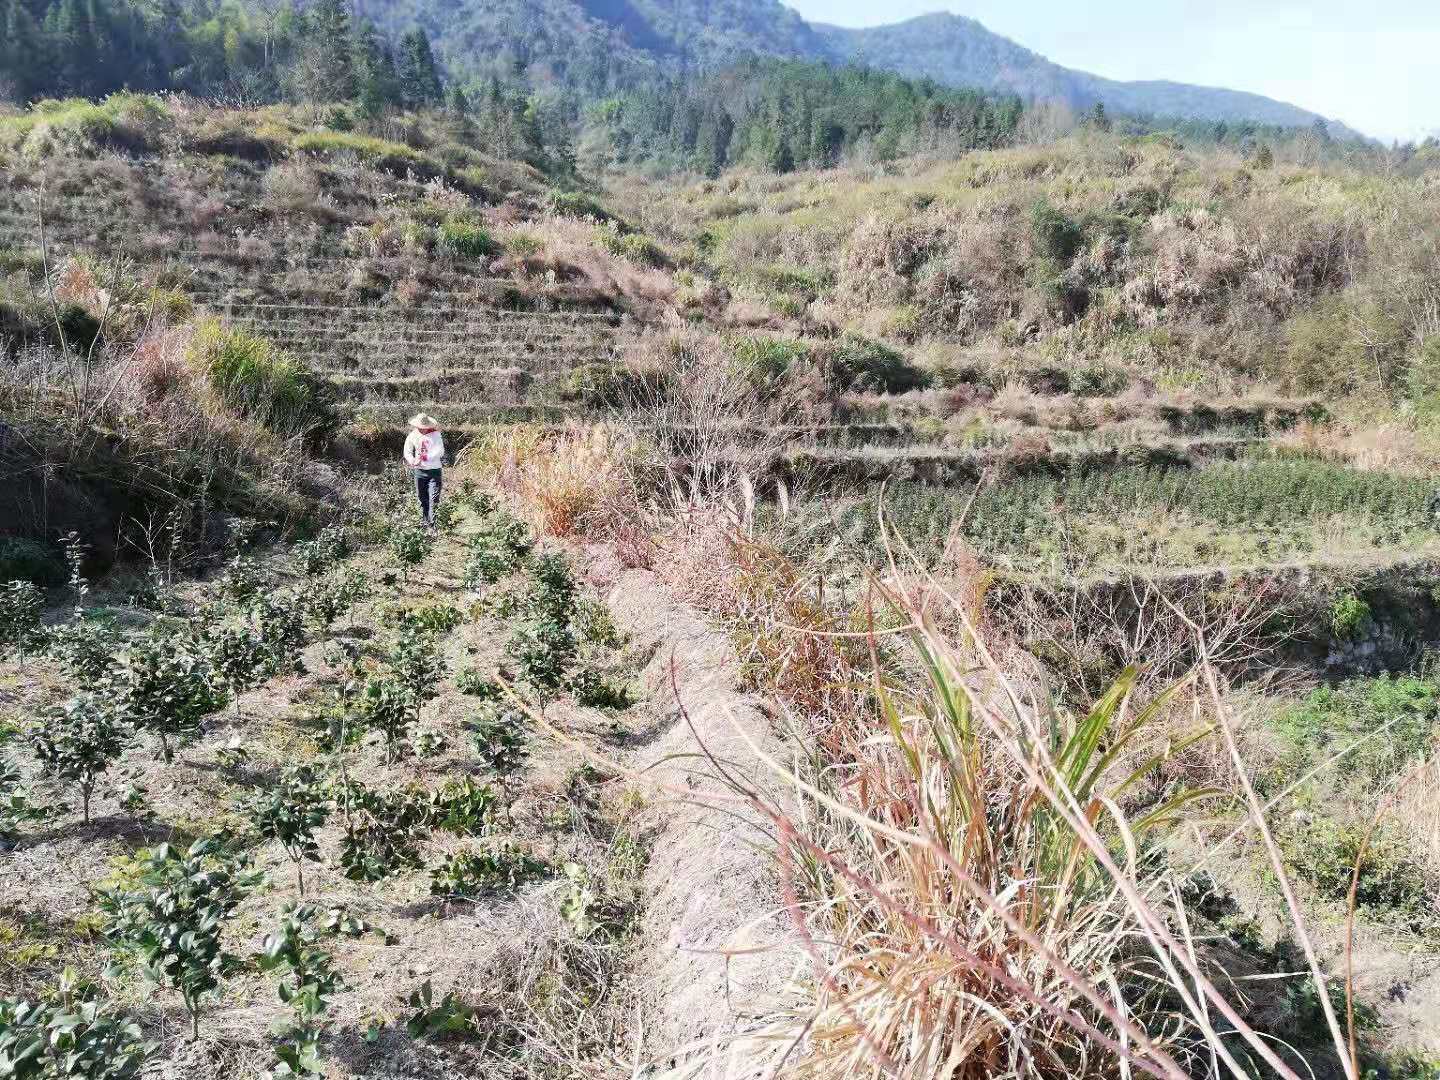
23	53
326	71
379	88
67	25
419	77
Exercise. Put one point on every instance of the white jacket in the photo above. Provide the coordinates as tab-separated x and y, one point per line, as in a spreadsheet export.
424	451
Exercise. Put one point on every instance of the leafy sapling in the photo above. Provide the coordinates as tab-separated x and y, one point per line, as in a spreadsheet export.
290	812
464	807
239	659
16	808
417	663
388	706
78	742
21	607
468	875
409	544
72	1035
311	982
166	686
499	738
168	913
382	833
450	1016
331	547
85	646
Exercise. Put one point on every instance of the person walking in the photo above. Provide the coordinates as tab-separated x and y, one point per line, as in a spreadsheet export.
425	454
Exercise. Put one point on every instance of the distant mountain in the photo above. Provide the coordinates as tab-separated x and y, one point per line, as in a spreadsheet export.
960	51
596	45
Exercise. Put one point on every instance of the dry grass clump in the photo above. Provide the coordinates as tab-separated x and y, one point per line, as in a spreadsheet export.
293	188
562	480
974	899
561	257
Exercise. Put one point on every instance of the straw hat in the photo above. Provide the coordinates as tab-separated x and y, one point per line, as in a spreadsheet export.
424	420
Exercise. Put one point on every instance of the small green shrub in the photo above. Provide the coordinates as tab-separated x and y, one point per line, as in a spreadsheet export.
86	646
330	597
432	618
470	875
241	581
595	625
768	360
238	657
1396	716
1349	615
382	833
22	606
464	807
165	685
16	806
430	1020
1056	236
73	1037
289	813
498	734
78	742
1098	380
632	246
169	913
331	547
497	549
863	365
475	683
29	560
1392	884
386	705
416	662
578	204
594	691
543	647
313	981
465	240
409	544
255	379
390	156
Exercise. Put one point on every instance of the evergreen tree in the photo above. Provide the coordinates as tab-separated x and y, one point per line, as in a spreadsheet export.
23	53
419	77
326	71
379	87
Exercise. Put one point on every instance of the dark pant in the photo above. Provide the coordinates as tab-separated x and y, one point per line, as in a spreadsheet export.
427	486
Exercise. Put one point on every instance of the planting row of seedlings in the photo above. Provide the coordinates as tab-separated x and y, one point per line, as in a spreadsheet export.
336	805
1248	511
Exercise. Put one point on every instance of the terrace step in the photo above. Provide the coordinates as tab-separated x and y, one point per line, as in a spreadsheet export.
944	468
1400	591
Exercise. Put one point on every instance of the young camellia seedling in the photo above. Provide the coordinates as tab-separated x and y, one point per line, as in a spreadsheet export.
78	742
409	545
290	812
168	912
308	991
71	1035
21	605
166	686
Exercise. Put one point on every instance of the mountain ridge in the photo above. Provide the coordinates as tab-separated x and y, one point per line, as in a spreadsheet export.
602	45
920	47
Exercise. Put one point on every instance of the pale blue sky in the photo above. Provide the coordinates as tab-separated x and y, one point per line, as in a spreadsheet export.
1375	65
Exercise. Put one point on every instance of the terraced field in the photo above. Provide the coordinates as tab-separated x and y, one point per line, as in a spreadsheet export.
1073	521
